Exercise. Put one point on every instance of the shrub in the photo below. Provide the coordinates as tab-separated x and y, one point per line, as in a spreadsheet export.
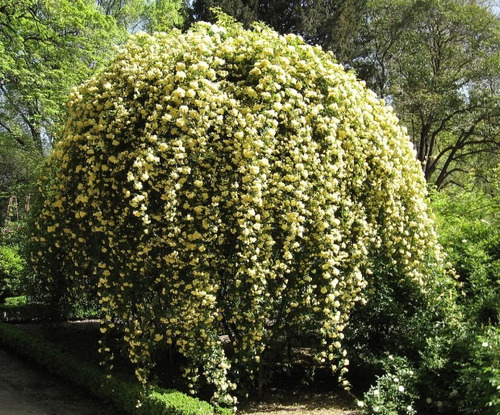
394	392
479	375
419	328
440	332
224	191
469	231
11	269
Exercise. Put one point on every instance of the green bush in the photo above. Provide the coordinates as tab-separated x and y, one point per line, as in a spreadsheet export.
440	332
11	271
225	184
478	384
469	231
394	392
398	317
418	329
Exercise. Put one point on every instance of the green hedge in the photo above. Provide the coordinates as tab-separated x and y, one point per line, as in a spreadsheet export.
126	396
22	313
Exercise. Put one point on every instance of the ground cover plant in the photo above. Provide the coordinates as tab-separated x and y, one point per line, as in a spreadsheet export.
11	268
230	194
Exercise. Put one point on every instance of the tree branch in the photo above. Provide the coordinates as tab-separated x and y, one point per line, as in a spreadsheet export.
21	142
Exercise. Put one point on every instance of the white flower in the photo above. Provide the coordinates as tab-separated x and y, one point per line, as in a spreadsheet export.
401	388
254	169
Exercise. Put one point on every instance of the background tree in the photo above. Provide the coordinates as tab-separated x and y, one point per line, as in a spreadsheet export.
438	64
150	16
333	24
48	47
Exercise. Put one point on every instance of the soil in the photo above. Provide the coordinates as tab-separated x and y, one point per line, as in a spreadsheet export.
80	338
281	403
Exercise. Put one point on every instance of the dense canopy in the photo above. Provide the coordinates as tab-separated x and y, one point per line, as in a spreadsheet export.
224	189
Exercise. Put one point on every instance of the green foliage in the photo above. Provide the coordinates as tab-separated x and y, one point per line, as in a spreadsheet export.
448	335
164	15
127	396
399	317
11	271
228	182
150	16
16	301
469	231
438	63
459	372
417	328
468	226
395	392
479	377
48	46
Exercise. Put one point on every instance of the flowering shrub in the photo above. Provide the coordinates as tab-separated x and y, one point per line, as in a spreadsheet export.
11	270
224	189
394	392
478	383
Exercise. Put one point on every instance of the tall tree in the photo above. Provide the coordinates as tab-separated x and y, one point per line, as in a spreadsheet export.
163	15
332	24
47	47
438	63
146	15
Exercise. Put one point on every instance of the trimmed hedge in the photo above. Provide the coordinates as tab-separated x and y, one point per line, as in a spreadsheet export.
14	313
127	396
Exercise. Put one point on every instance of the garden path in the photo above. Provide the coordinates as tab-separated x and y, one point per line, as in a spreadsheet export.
26	389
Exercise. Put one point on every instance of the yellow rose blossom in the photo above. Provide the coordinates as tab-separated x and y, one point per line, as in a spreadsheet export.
213	178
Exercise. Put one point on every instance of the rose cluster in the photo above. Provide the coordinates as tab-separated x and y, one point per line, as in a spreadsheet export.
222	189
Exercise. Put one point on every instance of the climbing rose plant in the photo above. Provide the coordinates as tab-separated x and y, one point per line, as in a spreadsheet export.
224	188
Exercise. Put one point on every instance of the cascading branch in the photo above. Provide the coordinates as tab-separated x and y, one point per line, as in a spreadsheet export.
225	183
